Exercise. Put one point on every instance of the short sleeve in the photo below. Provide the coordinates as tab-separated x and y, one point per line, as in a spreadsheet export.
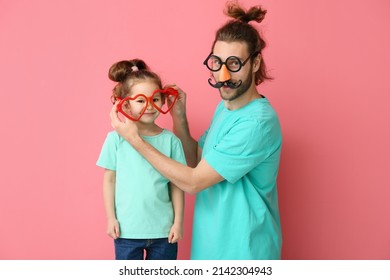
107	157
242	148
178	151
202	139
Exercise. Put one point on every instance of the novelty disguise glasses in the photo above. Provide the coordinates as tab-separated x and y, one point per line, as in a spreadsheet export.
158	99
232	63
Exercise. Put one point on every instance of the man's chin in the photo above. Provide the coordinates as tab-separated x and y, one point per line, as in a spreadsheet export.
227	94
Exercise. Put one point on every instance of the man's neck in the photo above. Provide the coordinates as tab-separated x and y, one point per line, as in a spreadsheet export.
243	100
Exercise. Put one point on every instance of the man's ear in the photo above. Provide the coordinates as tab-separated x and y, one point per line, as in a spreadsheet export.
256	63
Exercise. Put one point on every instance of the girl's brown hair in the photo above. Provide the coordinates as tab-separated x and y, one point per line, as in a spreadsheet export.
126	73
239	29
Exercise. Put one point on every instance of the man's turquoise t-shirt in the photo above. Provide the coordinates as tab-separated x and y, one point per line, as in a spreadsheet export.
142	201
238	218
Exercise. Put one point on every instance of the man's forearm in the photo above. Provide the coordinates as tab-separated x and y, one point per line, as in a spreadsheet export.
190	146
188	179
179	174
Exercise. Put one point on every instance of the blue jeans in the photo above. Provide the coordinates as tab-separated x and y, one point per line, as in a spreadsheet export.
155	249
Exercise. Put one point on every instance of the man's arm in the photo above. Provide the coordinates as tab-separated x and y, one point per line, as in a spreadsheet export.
189	179
190	146
181	128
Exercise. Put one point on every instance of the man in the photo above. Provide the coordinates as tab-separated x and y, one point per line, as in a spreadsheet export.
234	166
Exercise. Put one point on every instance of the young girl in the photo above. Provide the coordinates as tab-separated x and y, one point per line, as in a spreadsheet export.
144	210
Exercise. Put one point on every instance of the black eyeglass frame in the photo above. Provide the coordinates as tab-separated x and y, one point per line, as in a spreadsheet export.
242	63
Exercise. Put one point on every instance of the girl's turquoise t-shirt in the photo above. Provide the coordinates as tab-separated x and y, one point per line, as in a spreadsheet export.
142	201
238	218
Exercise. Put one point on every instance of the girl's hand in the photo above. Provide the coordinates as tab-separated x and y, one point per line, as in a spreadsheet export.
113	228
176	233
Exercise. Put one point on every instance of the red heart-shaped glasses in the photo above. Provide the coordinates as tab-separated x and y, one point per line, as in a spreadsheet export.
161	99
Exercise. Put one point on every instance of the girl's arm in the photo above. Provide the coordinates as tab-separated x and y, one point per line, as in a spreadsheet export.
109	203
177	197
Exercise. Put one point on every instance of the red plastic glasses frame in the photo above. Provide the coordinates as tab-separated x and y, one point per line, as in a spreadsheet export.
167	92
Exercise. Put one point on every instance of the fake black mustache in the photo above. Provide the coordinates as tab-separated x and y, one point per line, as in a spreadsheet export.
230	84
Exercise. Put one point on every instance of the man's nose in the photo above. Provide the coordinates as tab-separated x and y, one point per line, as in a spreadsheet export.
224	74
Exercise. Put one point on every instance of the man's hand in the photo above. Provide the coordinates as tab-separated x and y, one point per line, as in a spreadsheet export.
178	110
125	128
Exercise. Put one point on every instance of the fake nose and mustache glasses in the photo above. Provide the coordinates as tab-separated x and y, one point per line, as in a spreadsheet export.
232	64
161	99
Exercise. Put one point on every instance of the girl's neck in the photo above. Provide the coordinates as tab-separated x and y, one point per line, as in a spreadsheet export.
151	129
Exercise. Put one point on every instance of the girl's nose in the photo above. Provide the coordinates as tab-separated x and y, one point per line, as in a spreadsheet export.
149	106
224	74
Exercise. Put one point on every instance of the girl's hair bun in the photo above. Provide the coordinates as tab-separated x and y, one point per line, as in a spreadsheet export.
119	71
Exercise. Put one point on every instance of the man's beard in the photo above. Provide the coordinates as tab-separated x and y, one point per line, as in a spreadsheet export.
239	91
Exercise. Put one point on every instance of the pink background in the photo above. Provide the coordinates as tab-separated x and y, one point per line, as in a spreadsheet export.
330	61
